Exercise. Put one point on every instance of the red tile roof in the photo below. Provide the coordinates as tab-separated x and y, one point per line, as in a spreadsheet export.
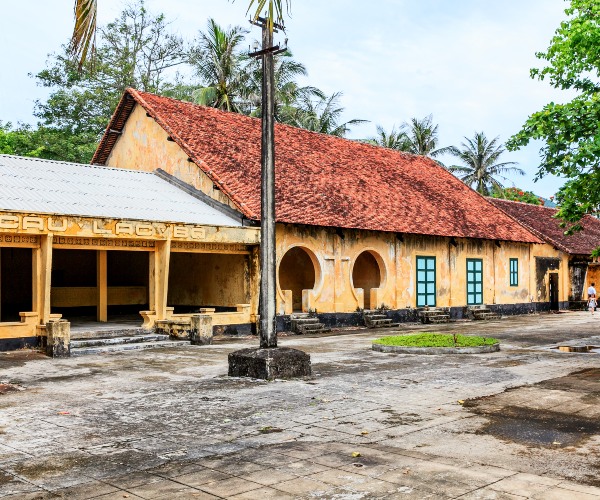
540	220
323	180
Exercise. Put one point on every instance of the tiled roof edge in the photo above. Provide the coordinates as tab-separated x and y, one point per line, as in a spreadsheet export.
544	237
485	199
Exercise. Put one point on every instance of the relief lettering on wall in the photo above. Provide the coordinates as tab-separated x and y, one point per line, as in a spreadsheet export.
19	239
101	242
101	227
206	247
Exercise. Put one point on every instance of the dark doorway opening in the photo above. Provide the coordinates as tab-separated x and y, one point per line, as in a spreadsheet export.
366	275
73	291
297	273
15	283
553	284
128	281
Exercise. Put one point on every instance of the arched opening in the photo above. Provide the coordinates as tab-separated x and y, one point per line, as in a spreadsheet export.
297	273
366	274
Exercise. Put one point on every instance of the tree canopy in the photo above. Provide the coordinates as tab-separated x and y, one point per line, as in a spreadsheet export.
480	163
140	49
571	131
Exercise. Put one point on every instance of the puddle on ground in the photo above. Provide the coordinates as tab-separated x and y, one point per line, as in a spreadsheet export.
578	348
540	428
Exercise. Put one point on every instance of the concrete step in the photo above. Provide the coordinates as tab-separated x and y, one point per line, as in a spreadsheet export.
439	320
107	333
322	329
374	316
300	316
311	327
304	321
487	316
381	323
134	339
81	351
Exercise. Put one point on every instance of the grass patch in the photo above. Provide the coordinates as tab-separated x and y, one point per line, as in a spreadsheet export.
436	340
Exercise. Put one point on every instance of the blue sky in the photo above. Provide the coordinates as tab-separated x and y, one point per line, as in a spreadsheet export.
464	61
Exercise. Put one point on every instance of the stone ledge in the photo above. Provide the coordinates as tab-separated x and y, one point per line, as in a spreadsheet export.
484	349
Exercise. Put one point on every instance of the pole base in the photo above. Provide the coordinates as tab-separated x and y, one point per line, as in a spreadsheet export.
269	363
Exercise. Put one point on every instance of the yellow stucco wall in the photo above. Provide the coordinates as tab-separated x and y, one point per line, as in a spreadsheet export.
208	280
143	145
334	258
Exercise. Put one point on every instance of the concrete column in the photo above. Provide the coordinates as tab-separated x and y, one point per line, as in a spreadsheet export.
338	303
159	278
101	286
42	271
254	263
201	331
59	339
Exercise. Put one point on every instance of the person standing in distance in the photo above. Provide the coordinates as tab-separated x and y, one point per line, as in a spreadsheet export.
592	298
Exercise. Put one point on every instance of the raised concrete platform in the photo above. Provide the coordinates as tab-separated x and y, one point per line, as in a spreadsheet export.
269	364
436	350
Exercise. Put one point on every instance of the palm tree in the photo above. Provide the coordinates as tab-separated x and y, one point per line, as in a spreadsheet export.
274	12
288	94
395	139
422	138
218	63
323	115
83	39
480	163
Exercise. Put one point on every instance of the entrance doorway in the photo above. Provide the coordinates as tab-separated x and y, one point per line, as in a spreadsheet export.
73	292
128	282
553	291
15	282
366	274
297	273
76	279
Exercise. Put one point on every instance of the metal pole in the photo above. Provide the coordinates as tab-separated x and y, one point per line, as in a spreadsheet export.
267	300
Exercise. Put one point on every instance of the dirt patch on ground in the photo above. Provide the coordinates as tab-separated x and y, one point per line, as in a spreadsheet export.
539	427
540	416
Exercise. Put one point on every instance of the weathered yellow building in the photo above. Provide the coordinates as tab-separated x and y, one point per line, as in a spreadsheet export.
96	243
573	251
164	227
358	226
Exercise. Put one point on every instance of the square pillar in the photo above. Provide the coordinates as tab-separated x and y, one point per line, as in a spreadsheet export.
101	286
159	278
42	271
59	339
201	330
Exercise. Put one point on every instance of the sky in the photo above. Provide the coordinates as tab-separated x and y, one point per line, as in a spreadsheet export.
466	62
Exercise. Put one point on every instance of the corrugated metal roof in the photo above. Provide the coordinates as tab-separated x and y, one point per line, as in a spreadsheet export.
54	187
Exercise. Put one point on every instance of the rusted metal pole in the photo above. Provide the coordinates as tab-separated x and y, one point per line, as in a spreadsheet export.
267	300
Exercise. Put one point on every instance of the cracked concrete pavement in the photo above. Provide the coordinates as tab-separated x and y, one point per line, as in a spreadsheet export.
169	423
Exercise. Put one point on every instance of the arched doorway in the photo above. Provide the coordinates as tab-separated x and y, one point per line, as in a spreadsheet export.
366	274
297	273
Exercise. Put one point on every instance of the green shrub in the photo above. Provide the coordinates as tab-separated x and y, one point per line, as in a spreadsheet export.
435	340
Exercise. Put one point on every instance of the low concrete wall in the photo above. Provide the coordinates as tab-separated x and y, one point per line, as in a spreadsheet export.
484	349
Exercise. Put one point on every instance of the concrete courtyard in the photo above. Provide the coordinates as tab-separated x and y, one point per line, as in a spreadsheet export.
169	424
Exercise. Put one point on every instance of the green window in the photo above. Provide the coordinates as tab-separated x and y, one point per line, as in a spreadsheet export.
425	281
514	272
474	282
